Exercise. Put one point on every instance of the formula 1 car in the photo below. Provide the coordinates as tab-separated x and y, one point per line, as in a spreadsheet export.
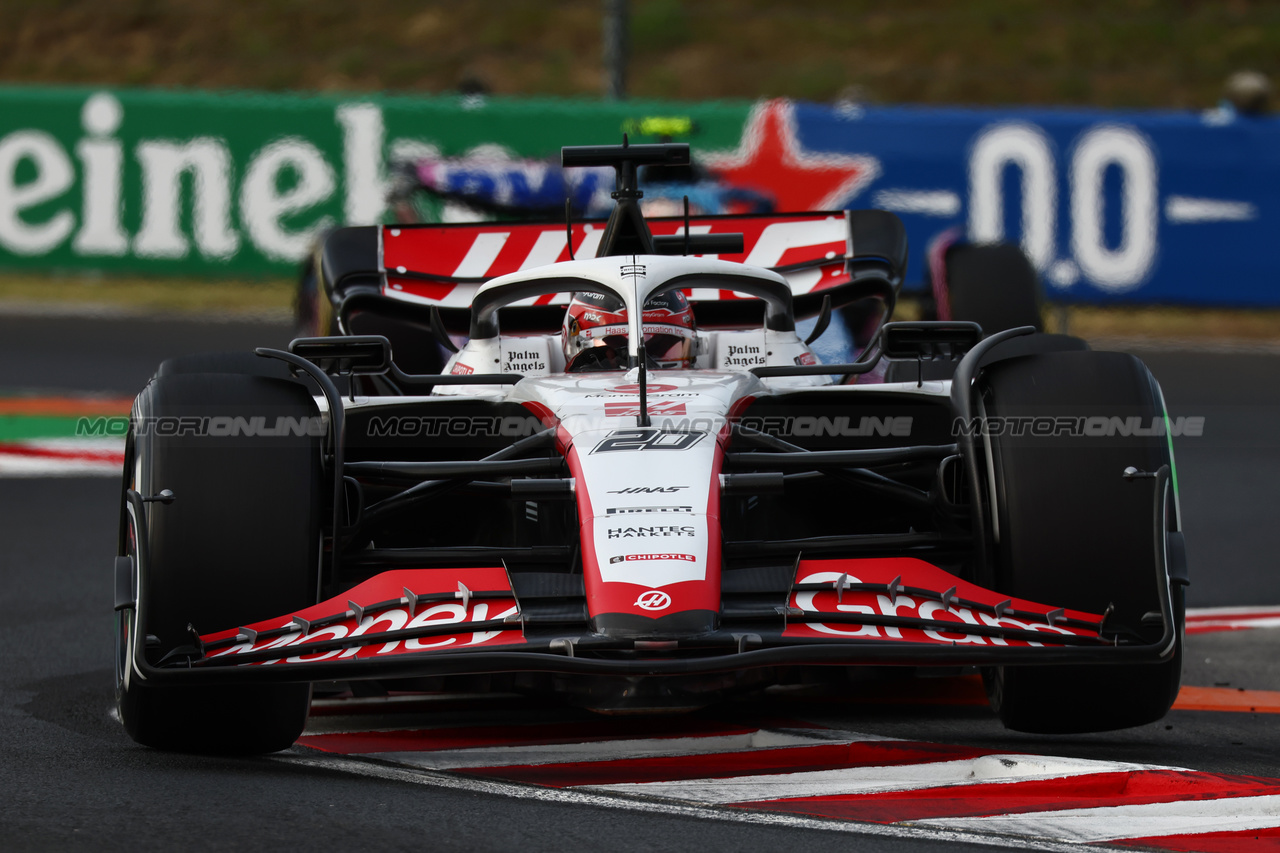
599	460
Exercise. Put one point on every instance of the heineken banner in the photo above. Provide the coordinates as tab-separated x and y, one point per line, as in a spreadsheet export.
1110	206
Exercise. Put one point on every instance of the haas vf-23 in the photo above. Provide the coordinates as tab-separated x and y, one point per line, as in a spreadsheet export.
643	464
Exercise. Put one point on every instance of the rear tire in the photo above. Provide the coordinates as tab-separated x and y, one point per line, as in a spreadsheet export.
243	363
993	285
240	543
1074	533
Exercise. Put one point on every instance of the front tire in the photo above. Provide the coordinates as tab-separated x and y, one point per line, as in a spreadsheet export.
240	543
1071	531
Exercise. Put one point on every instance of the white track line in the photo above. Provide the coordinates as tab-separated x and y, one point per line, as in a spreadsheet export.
1198	613
1228	618
1185	817
616	750
1238	624
28	465
363	767
986	769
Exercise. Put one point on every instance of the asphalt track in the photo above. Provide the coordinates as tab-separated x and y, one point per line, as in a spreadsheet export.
73	780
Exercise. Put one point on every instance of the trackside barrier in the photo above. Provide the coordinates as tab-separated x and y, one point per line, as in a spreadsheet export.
1112	207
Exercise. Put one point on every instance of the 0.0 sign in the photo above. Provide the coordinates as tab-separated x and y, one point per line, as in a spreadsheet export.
1026	147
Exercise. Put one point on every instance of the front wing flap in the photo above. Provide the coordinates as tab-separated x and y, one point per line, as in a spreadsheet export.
878	611
394	613
902	599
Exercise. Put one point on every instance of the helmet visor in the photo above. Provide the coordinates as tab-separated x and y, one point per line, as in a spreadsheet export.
606	353
668	350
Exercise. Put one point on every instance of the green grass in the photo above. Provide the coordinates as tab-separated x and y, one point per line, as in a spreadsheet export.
1106	53
273	297
1205	324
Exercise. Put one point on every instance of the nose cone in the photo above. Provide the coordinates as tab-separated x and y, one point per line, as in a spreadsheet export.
648	497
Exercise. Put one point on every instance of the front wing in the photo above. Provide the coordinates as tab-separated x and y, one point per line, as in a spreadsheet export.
870	611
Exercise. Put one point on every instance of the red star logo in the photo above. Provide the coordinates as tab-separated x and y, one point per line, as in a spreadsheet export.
770	159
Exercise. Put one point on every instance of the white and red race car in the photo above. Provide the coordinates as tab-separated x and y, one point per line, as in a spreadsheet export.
443	491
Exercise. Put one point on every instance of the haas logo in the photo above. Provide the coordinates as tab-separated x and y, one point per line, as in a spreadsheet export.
653	599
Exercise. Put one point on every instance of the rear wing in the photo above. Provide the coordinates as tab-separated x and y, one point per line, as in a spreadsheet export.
443	265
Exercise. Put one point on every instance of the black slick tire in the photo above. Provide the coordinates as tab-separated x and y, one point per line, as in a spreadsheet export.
1070	530
238	544
993	285
243	363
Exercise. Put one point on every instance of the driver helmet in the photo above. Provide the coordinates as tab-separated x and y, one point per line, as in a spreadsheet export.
595	332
